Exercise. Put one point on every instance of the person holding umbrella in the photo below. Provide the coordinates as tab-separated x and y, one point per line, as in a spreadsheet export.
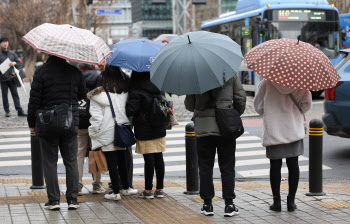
203	66
290	68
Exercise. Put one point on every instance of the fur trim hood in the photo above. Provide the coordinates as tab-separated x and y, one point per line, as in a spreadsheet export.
95	92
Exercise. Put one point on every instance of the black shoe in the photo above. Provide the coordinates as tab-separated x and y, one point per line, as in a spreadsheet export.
8	114
53	205
231	210
207	210
22	114
73	205
291	203
276	206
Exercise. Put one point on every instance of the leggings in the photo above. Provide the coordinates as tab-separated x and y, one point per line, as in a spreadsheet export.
116	162
154	161
293	175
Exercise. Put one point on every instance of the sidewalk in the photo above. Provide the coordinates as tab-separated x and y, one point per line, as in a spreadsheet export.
20	204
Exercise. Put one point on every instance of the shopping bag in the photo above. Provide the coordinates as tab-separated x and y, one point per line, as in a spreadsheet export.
101	161
173	120
92	163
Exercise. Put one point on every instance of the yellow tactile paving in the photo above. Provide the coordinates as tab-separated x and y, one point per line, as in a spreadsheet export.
197	199
335	204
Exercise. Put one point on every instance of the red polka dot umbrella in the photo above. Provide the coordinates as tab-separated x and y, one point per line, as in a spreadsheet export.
293	64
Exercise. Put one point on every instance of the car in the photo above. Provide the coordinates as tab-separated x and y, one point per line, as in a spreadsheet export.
166	37
336	117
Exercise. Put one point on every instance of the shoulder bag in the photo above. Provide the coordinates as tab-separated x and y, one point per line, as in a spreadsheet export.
296	104
56	119
123	135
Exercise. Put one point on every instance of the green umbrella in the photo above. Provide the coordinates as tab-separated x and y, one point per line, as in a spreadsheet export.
195	63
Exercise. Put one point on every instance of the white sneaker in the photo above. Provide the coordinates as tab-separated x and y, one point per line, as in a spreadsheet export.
112	196
130	191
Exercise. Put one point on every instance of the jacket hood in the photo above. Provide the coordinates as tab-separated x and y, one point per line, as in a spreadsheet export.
282	89
92	79
149	87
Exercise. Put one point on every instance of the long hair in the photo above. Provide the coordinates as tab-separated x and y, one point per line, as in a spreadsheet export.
114	80
138	78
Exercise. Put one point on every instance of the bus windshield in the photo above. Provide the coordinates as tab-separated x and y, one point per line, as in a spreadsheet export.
319	28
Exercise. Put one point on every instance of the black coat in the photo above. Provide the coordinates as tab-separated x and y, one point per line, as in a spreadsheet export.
138	106
92	81
52	86
13	57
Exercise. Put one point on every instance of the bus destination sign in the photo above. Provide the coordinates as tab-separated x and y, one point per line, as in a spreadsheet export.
301	15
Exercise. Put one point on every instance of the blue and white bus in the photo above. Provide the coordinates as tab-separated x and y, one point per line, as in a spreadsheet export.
256	21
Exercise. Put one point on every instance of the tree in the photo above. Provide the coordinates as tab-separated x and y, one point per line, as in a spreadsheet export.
18	17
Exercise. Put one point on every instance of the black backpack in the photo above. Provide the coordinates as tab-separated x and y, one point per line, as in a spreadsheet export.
158	115
83	108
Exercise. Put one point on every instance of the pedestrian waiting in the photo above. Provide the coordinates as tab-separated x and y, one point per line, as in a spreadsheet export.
150	130
57	86
92	81
112	95
283	134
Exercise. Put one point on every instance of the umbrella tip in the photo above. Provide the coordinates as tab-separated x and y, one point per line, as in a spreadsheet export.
298	39
189	41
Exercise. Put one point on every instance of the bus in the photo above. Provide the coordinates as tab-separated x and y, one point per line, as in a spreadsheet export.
256	21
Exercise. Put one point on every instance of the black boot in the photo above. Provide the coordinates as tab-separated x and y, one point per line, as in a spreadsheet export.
276	206
290	203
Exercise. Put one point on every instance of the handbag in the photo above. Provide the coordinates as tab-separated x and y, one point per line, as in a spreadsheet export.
55	120
173	120
228	120
123	135
97	162
296	104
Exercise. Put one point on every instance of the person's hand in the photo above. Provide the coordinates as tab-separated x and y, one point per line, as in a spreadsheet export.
102	66
12	64
32	129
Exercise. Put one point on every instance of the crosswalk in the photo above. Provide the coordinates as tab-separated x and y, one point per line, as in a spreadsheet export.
251	161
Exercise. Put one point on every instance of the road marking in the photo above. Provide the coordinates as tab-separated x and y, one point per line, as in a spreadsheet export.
21	162
23	139
15	133
15	146
15	154
266	172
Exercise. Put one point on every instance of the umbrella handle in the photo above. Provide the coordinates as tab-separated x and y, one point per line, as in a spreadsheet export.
298	39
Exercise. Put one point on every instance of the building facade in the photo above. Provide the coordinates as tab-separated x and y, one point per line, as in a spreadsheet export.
151	20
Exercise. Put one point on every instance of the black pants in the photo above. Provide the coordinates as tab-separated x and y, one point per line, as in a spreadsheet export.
154	161
206	148
293	175
117	169
129	165
4	90
68	145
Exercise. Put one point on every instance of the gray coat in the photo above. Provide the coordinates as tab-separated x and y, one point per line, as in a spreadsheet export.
203	106
13	57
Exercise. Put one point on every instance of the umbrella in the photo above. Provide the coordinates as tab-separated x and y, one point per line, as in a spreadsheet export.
68	42
293	64
134	54
195	63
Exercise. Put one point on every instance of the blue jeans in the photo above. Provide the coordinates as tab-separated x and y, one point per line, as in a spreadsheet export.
13	88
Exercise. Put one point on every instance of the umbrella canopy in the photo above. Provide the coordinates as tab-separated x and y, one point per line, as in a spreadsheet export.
293	64
195	63
68	42
134	54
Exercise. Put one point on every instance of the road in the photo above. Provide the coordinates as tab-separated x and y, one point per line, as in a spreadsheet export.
15	156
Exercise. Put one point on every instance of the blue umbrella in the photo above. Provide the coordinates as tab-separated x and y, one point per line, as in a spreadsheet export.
195	63
134	54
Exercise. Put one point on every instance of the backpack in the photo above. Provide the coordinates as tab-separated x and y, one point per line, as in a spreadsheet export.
158	115
83	108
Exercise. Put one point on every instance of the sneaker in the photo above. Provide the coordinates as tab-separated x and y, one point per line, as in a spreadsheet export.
8	114
53	205
207	210
159	193
231	210
112	196
130	191
98	189
73	204
148	195
80	191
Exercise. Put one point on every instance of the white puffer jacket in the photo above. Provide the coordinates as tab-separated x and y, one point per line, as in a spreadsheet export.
101	130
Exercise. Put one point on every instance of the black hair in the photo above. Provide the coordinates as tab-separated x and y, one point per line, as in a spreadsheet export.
139	78
2	39
114	80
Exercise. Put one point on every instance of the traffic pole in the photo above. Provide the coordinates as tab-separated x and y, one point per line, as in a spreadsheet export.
37	164
192	176
316	157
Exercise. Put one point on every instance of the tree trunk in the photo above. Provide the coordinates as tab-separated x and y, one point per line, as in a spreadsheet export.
30	61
